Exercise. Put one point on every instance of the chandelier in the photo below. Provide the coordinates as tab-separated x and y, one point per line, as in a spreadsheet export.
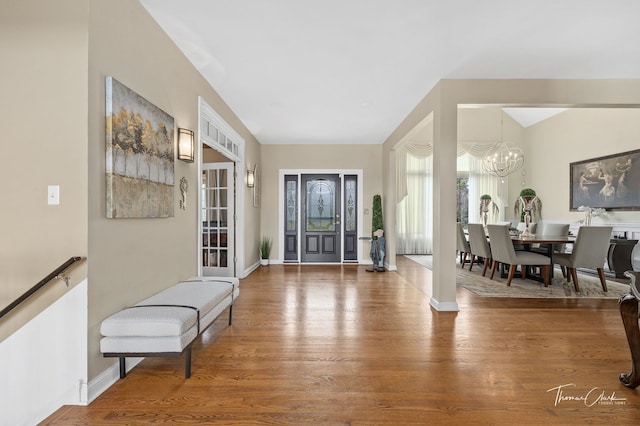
503	160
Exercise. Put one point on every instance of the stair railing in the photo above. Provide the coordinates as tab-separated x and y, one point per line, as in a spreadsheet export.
57	273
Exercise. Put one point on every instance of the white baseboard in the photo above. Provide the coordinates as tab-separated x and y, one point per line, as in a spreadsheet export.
444	306
250	269
108	378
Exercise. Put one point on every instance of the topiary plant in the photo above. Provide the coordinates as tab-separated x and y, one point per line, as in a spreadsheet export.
527	192
376	218
528	201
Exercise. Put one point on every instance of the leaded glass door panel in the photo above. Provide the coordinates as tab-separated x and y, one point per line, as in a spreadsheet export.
320	218
350	217
291	217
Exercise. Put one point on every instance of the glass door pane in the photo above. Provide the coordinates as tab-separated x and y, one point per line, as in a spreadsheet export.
216	211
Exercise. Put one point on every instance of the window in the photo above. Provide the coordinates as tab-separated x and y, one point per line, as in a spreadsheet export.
462	200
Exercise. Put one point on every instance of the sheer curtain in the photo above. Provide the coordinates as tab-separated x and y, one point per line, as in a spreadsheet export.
414	228
481	183
414	182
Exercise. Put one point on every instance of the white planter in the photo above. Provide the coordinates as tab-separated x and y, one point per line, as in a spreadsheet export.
264	262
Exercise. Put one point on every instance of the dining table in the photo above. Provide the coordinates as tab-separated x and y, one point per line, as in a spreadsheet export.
545	241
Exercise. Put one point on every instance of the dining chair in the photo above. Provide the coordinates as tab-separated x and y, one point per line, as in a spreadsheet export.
532	227
519	228
462	245
502	251
480	247
555	230
589	251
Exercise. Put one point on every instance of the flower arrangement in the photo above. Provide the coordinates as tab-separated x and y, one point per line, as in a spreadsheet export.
589	213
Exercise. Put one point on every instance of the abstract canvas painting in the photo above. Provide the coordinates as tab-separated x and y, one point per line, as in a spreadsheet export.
139	155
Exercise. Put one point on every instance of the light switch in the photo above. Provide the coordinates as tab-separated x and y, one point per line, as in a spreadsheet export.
53	195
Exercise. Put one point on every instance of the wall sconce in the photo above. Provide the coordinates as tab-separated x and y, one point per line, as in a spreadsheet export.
185	145
251	178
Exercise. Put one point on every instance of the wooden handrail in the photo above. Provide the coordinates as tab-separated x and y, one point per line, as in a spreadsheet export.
57	273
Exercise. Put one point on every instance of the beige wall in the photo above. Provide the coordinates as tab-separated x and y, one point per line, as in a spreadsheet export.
133	258
53	90
276	157
575	135
210	155
44	142
487	124
251	213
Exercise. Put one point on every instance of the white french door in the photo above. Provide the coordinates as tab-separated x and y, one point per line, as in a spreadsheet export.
218	225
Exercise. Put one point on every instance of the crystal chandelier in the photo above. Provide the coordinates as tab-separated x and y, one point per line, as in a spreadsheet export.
503	159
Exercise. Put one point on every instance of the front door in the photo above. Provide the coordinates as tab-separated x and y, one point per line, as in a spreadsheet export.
321	218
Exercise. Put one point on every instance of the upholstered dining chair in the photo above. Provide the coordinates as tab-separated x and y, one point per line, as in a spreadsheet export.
462	245
479	245
589	251
532	227
520	228
502	251
552	229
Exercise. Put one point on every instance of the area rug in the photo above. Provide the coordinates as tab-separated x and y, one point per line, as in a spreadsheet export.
483	286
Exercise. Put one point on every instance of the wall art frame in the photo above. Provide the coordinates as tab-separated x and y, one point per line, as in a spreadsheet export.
611	182
139	155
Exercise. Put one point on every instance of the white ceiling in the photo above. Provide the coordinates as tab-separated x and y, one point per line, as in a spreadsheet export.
349	71
529	116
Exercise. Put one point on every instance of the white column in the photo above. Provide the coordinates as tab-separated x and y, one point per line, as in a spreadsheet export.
390	212
444	208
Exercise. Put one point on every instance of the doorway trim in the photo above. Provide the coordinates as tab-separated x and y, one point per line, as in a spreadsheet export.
234	151
360	203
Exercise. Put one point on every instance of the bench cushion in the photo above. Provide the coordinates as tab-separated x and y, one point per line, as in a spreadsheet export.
150	321
147	345
202	295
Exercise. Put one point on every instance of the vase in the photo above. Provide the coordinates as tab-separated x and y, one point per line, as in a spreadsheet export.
264	262
527	222
484	211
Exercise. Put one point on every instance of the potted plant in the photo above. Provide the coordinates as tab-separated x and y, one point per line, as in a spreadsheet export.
485	203
528	207
265	250
376	218
377	232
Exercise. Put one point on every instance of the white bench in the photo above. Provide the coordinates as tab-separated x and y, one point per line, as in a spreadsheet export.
165	325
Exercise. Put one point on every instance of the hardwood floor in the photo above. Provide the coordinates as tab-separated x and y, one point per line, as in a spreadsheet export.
319	344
